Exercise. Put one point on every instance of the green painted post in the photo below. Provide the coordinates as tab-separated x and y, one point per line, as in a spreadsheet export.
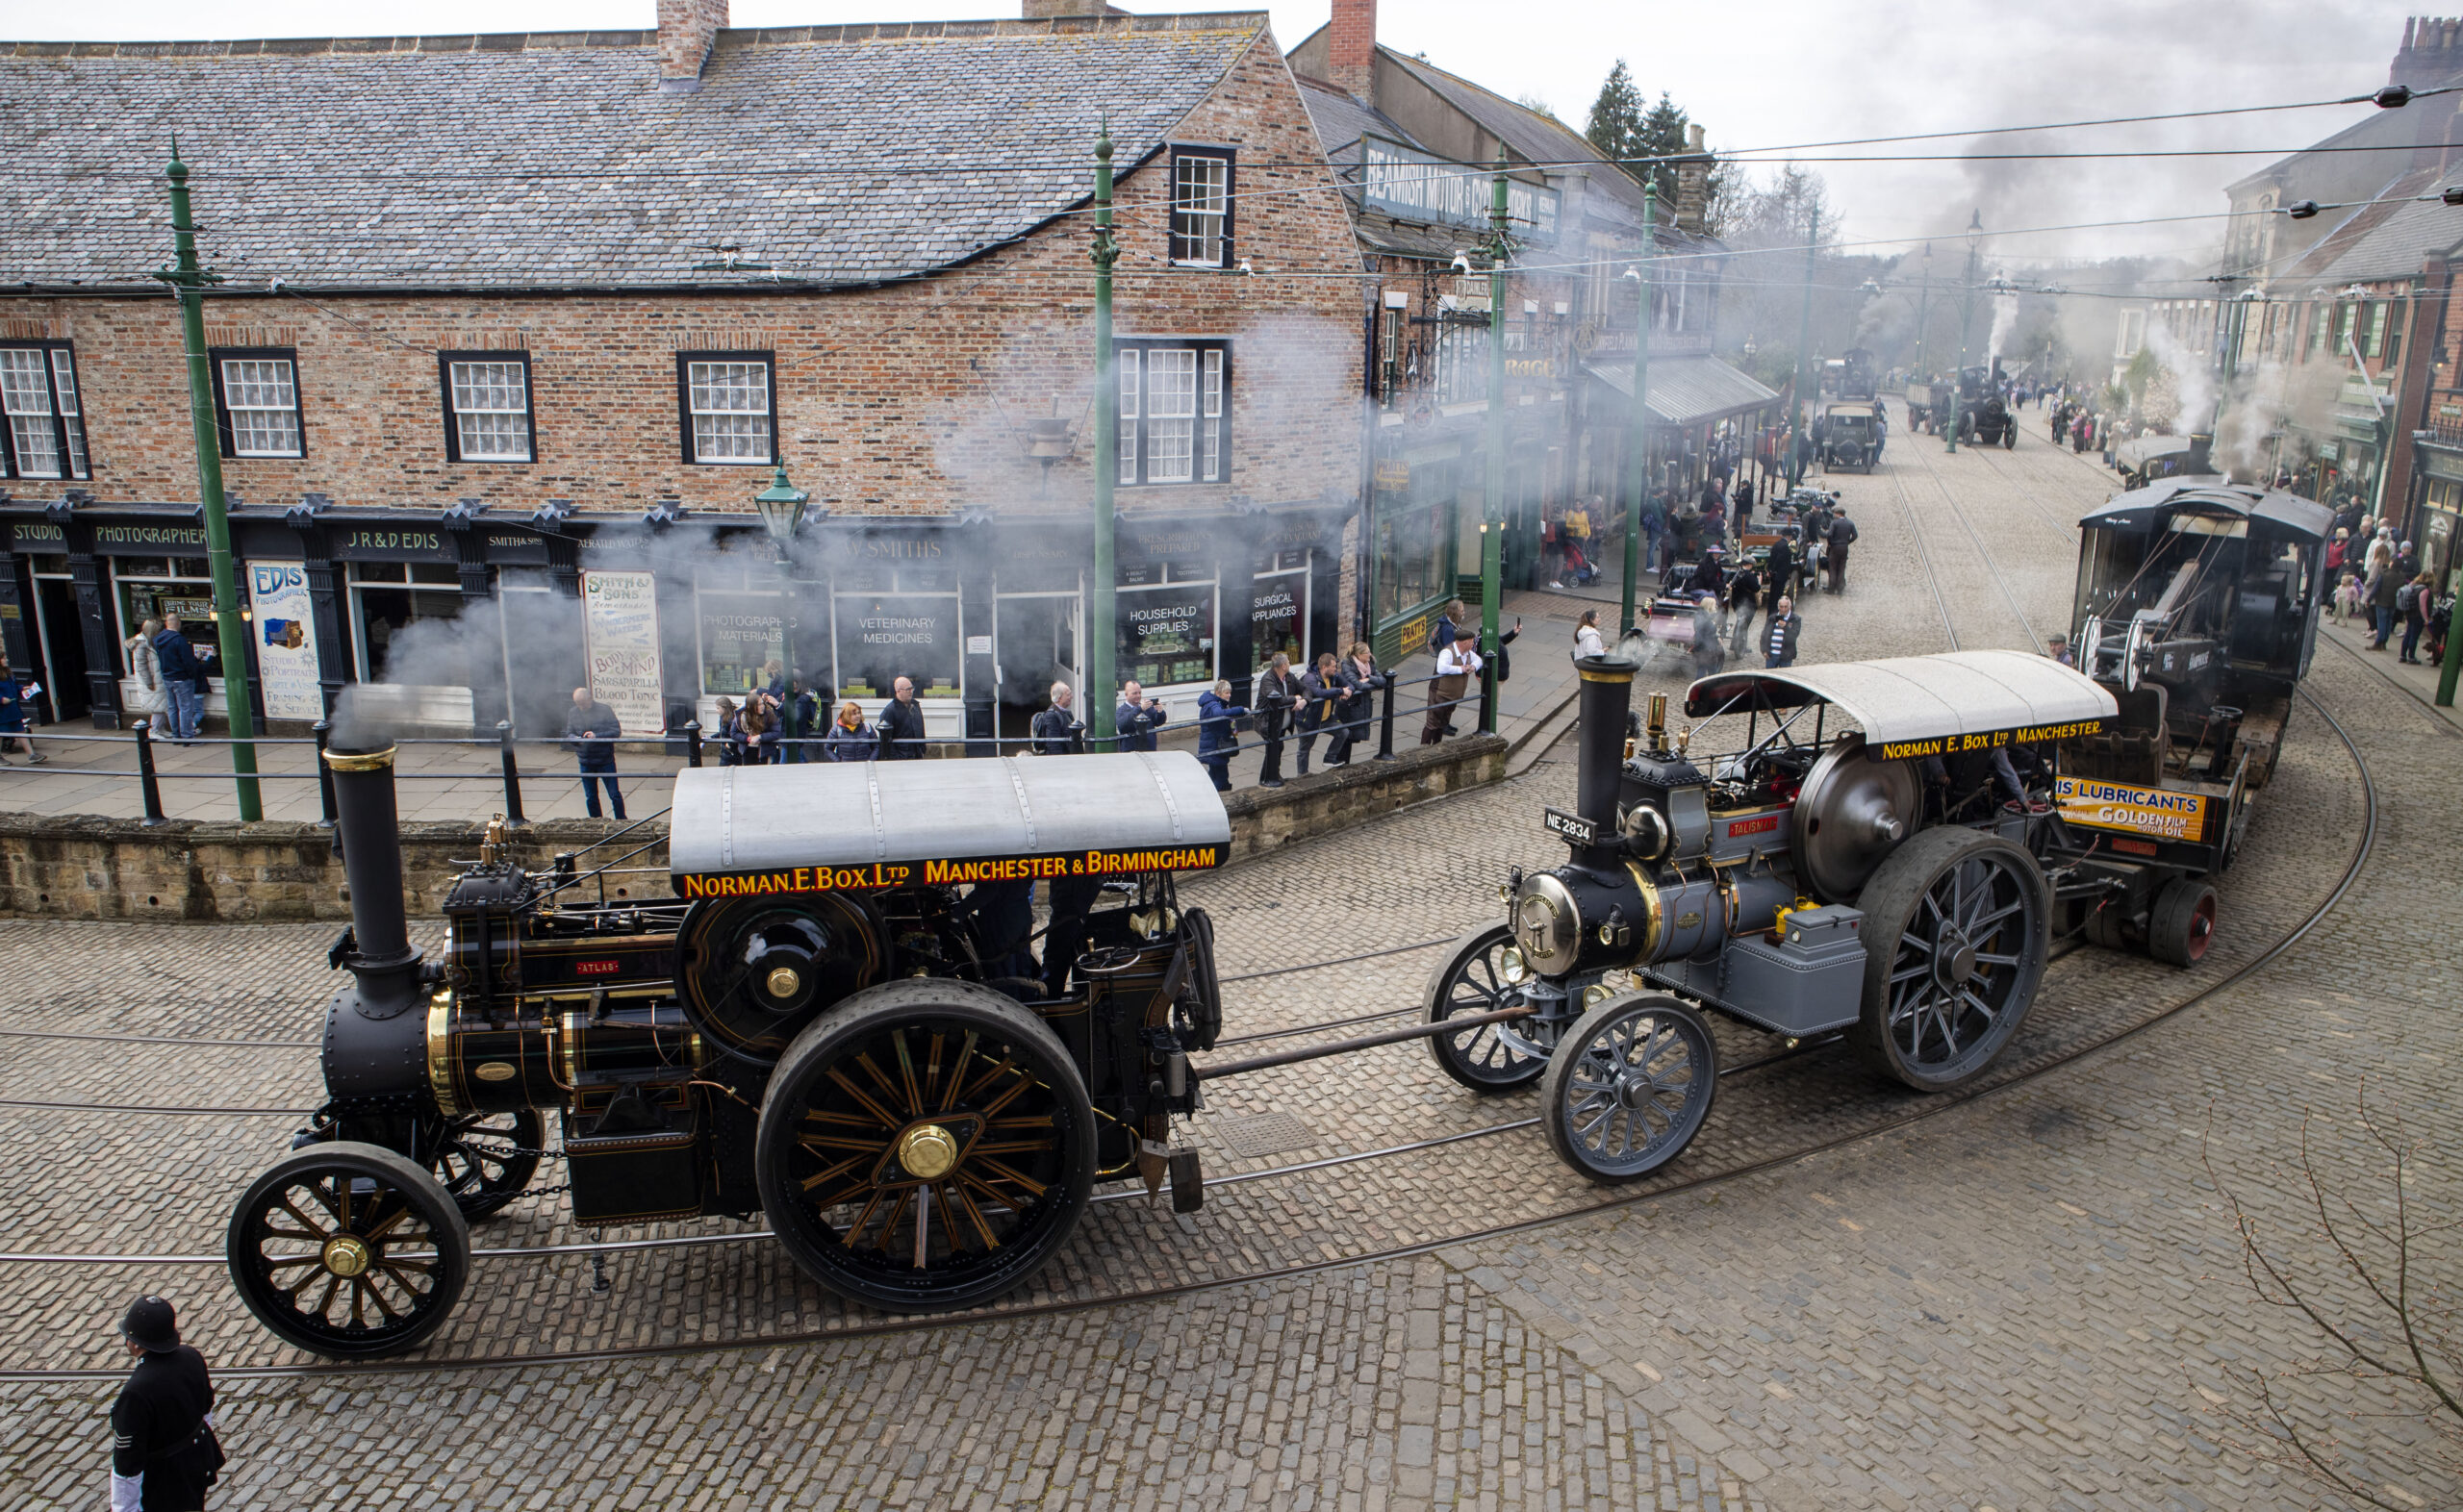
1637	465
188	279
1923	311
2452	663
1804	348
1967	315
1102	692
1492	515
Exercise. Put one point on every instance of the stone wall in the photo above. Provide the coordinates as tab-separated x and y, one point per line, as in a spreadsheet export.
88	867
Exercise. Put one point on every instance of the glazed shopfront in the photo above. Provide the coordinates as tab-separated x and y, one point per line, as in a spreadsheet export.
466	619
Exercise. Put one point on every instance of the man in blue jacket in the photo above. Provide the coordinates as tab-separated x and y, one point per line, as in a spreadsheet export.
1138	718
180	671
591	730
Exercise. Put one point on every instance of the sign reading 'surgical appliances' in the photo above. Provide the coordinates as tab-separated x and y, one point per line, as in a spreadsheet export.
619	631
1990	740
2140	811
948	873
283	617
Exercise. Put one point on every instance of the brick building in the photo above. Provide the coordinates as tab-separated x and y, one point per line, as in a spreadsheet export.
1416	148
514	326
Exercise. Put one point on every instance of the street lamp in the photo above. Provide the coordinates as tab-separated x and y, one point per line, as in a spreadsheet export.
782	511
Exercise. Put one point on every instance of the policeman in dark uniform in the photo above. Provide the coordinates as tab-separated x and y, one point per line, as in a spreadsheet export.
163	1452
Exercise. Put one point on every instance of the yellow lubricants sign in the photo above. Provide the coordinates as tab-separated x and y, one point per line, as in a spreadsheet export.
2140	811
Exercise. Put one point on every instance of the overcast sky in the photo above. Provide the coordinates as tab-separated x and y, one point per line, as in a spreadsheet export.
1764	73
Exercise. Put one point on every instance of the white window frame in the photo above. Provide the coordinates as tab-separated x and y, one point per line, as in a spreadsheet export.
50	413
458	388
1189	442
1200	232
231	379
694	375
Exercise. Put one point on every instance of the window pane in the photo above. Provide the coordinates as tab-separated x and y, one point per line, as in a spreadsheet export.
1199	194
1128	416
504	435
488	386
1210	427
64	382
263	406
1171	403
730	406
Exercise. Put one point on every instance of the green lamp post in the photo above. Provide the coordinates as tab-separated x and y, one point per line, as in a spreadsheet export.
782	511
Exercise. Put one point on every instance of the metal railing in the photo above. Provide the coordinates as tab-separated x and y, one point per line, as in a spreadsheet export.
699	748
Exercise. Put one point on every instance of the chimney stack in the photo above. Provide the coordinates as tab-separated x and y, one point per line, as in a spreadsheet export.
1048	10
1693	183
1351	50
686	29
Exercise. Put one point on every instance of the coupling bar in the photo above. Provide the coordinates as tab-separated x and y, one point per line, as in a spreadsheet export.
1319	1051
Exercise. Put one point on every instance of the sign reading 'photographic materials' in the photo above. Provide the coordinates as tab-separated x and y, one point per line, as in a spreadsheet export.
620	636
2140	811
284	620
884	637
948	873
741	633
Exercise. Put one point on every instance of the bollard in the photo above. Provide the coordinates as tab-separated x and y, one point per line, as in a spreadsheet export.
693	743
1489	698
511	774
325	779
1385	722
145	778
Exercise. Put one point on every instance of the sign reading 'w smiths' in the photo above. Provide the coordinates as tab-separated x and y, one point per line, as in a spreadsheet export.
947	873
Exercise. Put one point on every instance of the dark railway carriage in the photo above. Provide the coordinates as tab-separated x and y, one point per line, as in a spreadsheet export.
831	1024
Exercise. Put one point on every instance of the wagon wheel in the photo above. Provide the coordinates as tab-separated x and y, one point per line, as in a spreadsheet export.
926	1145
2182	924
1471	980
348	1250
486	1159
1955	930
1629	1087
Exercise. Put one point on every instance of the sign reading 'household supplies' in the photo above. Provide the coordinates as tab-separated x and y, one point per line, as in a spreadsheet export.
1990	740
948	873
2141	810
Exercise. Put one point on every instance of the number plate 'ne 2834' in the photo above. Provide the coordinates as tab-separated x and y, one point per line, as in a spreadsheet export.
1576	829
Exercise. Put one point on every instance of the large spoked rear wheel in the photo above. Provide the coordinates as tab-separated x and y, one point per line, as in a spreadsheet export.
1629	1087
927	1144
1955	931
348	1250
486	1159
1471	980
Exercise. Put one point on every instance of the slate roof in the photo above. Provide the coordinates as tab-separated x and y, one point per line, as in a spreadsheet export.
2399	237
1535	138
838	154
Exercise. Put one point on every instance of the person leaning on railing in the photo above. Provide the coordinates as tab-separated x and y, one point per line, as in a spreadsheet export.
1057	729
1278	694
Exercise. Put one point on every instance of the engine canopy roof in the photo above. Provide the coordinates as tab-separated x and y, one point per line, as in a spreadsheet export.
1936	701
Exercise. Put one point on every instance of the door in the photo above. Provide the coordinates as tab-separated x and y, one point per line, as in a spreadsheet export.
62	649
1036	643
543	658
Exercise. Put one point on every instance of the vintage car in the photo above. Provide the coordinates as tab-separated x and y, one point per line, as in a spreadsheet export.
1852	436
1860	861
835	1021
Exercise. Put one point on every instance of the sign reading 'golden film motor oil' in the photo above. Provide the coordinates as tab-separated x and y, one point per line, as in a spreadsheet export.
1990	740
2140	811
948	873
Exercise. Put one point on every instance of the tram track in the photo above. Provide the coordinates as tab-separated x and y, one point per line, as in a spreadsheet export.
1932	1109
1966	527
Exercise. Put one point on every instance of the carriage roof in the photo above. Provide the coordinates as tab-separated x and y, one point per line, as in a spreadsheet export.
1922	700
906	822
2140	508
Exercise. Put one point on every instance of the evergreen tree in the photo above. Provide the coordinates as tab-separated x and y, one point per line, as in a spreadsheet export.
1616	126
1663	134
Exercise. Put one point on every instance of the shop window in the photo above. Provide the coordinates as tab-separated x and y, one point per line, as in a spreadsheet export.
1279	608
396	612
151	588
741	634
728	406
1202	207
1462	362
46	433
1410	559
1166	630
887	632
256	402
487	407
1174	416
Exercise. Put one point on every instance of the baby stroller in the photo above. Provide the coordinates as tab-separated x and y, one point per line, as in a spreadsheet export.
1578	573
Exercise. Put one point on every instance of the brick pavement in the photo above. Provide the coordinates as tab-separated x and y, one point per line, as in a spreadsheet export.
1915	1319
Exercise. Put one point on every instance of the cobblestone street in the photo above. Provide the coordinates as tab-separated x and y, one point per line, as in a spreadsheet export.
1842	1296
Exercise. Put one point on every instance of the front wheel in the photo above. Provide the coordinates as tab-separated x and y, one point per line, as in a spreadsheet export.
348	1250
1956	930
1472	980
927	1144
2182	924
1629	1087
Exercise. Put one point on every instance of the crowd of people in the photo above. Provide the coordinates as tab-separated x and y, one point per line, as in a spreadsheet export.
2375	580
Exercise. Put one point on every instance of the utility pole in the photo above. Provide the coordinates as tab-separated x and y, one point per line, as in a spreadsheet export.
1493	516
189	281
1103	610
1967	315
1637	465
1803	350
1923	313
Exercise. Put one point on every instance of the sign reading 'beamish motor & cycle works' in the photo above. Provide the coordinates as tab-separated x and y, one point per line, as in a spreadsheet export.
1990	740
2158	812
947	873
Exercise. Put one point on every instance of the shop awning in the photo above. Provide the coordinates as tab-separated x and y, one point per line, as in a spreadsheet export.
1693	389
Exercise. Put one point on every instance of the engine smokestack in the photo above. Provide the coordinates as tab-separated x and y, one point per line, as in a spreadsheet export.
1606	698
366	820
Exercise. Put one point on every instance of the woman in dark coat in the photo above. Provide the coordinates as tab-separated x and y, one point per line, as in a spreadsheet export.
1216	735
1279	695
849	738
1323	696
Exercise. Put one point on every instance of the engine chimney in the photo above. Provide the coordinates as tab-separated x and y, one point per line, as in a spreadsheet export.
686	30
1606	698
366	818
1351	49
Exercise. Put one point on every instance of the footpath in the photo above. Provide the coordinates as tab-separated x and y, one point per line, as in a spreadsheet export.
92	771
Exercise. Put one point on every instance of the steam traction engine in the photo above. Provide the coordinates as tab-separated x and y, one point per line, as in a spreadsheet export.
824	1026
1872	885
